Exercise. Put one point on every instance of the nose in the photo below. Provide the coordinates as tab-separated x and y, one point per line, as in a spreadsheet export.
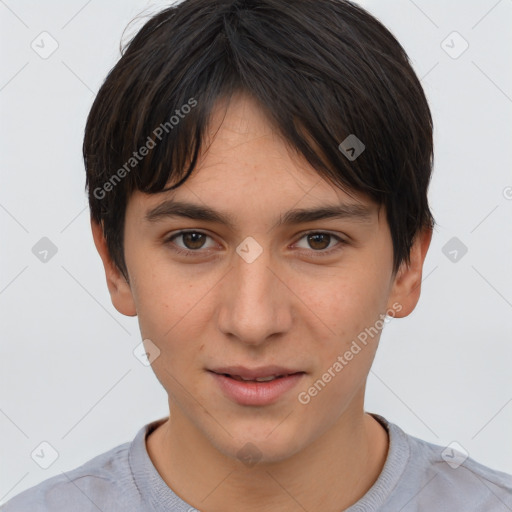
255	301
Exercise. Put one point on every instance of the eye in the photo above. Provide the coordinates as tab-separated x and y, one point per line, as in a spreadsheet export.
320	243
192	241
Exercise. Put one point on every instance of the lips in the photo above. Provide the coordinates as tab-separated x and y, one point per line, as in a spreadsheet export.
261	374
256	386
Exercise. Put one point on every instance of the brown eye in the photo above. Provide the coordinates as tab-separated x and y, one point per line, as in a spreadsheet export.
319	241
190	242
193	240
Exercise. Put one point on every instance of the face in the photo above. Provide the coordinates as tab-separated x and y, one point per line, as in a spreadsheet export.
259	293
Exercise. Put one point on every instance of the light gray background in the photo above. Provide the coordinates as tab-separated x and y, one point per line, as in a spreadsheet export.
68	374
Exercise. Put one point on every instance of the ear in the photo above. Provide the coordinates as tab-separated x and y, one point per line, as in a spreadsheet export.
120	291
406	287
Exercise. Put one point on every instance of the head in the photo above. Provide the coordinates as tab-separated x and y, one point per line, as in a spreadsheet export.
241	110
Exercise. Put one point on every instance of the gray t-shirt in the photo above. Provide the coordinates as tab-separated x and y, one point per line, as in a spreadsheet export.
417	476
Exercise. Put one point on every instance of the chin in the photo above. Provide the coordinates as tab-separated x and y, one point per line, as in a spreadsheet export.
261	446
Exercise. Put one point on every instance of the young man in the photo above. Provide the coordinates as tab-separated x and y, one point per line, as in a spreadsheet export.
257	175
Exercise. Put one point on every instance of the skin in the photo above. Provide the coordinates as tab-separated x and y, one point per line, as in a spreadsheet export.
286	308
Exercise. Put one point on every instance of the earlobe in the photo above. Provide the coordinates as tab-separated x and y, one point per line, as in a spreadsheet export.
406	287
120	291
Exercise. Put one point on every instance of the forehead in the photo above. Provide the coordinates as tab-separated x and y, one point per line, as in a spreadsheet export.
246	167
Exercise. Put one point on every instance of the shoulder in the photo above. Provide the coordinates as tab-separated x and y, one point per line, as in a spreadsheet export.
419	475
97	484
447	478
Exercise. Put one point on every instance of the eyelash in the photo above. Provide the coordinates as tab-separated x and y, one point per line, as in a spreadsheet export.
322	253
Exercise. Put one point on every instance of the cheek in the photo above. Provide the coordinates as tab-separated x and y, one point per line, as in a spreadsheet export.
349	306
165	294
170	309
170	315
345	303
346	352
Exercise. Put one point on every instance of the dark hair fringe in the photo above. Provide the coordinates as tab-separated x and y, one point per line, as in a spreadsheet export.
320	70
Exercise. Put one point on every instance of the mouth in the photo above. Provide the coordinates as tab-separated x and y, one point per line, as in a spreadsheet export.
262	374
259	386
270	378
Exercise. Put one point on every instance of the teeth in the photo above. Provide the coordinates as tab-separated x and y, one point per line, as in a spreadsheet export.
265	379
259	379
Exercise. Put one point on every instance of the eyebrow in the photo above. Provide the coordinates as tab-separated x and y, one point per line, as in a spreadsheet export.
171	208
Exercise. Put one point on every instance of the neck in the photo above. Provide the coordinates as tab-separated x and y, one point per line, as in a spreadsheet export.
330	474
